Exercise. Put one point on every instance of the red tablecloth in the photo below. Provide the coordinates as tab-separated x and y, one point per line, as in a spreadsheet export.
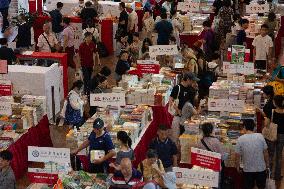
36	136
188	39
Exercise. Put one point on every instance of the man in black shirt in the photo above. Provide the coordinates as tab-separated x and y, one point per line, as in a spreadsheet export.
88	15
123	18
7	53
183	92
56	17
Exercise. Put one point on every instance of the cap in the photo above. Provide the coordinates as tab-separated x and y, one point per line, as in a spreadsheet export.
170	180
98	123
190	76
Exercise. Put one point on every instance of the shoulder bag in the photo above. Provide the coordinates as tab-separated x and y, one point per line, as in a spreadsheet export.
52	49
270	132
171	108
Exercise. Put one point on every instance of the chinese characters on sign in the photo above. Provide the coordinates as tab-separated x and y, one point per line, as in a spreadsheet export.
238	54
148	66
47	154
227	105
5	108
188	6
255	8
245	69
5	88
107	99
156	50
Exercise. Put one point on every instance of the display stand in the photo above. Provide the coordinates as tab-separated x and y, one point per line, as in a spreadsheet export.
61	57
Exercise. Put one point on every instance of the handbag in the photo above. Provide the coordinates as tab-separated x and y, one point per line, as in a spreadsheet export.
270	183
72	117
52	49
171	108
270	132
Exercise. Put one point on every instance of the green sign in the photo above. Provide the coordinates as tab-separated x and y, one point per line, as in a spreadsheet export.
238	54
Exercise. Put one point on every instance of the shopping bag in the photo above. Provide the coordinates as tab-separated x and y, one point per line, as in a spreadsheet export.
270	132
171	108
270	183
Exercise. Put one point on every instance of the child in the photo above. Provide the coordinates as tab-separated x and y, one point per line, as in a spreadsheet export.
125	150
135	47
241	36
121	45
262	51
7	176
122	66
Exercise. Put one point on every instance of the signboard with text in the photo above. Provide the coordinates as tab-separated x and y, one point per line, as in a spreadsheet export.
107	99
255	8
238	54
206	159
3	67
5	108
148	66
5	88
227	105
196	177
47	154
188	6
157	50
245	69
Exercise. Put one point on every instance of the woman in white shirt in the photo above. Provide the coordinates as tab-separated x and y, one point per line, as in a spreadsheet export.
167	5
148	24
177	25
73	108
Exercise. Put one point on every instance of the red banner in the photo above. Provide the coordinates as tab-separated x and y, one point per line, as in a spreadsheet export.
5	88
206	159
149	68
43	178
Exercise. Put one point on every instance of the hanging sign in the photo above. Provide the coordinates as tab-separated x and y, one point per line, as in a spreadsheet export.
245	69
188	6
238	54
228	105
148	66
206	159
3	67
5	88
48	154
255	8
5	108
196	177
156	50
107	99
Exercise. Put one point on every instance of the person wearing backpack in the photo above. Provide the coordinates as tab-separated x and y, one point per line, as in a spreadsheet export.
152	168
210	43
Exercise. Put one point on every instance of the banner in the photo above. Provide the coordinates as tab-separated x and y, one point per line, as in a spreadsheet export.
247	55
148	66
107	99
227	105
255	8
245	69
5	88
48	178
48	154
206	159
3	67
238	54
5	108
156	50
188	6
196	177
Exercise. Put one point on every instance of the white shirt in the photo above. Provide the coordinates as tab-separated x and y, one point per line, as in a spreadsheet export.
42	43
149	24
166	5
262	45
176	25
235	29
75	101
133	21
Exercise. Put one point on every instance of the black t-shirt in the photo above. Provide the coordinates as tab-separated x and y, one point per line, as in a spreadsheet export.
123	17
180	92
7	54
88	15
278	118
241	37
191	93
267	108
56	21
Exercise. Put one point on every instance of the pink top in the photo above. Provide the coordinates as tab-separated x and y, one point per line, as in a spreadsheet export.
69	32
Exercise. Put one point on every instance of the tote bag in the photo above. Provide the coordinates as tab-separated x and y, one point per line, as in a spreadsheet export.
270	132
270	183
171	108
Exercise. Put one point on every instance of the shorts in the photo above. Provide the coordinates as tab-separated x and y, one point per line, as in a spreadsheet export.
252	178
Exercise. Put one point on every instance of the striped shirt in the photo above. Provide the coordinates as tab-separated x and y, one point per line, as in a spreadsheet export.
118	180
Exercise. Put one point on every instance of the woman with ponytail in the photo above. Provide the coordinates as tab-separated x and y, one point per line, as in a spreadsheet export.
124	150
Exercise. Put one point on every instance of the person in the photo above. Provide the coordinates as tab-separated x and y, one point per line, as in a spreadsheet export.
252	149
25	39
132	20
124	151
144	52
73	108
148	24
262	51
93	30
165	147
127	177
122	66
241	36
56	19
88	14
47	41
272	23
68	41
208	39
122	44
7	177
190	60
231	38
4	10
177	26
164	29
98	84
225	15
98	7
183	93
77	10
167	5
278	118
217	5
152	168
123	19
99	141
88	52
134	47
7	53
